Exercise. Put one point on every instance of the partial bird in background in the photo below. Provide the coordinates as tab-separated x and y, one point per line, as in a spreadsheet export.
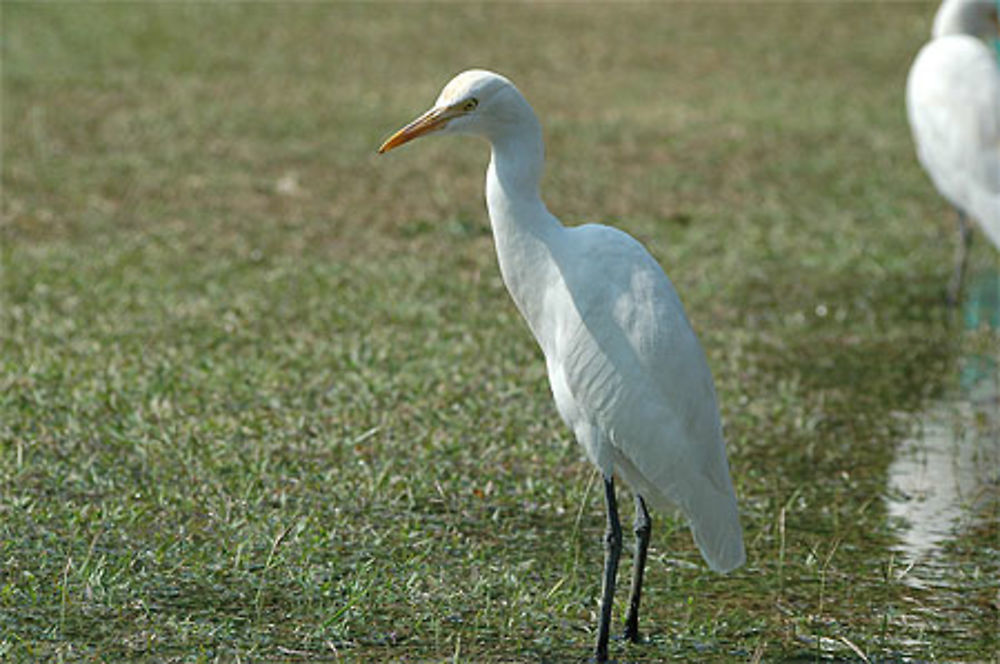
626	370
953	104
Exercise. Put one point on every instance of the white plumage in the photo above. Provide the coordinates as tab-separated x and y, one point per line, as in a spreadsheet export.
953	104
627	373
630	379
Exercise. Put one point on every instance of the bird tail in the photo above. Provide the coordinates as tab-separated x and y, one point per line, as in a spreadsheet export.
716	529
984	208
708	503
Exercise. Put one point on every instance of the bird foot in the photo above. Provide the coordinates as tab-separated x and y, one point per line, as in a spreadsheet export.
953	297
632	635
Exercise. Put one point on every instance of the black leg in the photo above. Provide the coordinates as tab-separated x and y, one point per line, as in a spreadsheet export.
961	258
643	526
612	551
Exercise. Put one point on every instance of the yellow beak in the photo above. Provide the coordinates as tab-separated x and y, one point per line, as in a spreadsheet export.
432	120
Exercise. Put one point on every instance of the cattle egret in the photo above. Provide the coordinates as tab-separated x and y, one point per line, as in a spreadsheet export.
627	373
953	103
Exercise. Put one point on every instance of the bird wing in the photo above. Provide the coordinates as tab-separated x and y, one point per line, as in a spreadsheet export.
953	104
635	372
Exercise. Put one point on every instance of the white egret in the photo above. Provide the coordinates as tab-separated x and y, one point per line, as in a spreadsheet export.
627	373
953	104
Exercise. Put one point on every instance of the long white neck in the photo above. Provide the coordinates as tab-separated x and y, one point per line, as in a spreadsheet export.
963	17
524	231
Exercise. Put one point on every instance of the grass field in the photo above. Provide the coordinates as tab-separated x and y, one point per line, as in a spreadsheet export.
264	397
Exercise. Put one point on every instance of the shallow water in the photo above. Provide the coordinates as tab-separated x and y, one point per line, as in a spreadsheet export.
941	477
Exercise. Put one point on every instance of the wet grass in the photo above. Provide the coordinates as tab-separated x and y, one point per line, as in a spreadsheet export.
264	396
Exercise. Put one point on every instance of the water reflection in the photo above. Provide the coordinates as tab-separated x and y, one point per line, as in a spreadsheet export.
951	465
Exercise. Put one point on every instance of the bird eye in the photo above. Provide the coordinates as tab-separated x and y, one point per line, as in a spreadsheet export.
470	105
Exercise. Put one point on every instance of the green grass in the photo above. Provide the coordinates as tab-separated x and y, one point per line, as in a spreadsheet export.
264	398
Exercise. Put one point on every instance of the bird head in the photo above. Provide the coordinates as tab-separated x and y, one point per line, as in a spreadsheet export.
477	102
